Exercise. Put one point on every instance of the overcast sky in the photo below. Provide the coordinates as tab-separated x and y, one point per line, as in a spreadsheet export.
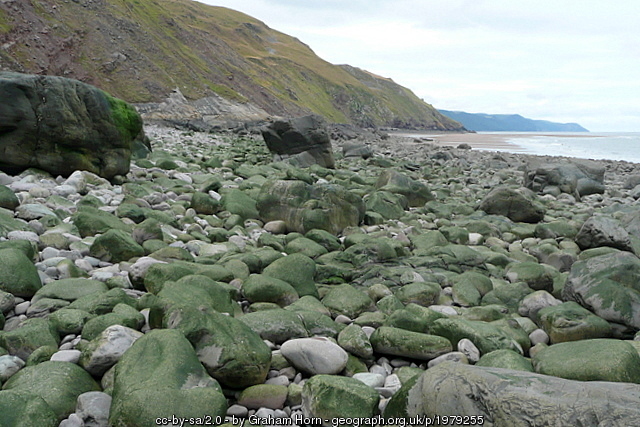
559	60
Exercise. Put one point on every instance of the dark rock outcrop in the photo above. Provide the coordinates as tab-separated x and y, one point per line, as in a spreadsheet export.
304	141
62	125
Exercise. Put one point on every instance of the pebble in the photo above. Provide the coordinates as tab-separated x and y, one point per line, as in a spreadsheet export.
454	356
469	349
539	336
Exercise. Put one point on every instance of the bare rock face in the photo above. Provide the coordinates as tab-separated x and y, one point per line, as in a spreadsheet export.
304	141
62	125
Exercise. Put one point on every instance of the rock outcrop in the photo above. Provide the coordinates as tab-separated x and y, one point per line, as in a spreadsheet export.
62	125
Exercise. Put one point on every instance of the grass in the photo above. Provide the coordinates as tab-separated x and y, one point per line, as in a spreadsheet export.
205	50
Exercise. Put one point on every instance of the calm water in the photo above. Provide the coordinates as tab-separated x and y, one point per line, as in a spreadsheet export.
610	146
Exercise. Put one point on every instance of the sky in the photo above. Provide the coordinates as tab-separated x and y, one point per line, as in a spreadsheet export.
558	60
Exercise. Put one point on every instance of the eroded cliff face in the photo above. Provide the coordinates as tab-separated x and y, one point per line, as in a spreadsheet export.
142	51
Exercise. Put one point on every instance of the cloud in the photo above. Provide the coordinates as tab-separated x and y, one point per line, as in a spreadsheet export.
567	61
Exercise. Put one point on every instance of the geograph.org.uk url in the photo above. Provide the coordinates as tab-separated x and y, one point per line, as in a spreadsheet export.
300	421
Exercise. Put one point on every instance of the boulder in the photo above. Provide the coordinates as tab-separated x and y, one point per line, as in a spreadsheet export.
570	321
229	350
330	397
18	275
576	176
608	286
600	231
62	125
304	141
590	360
518	205
57	383
416	192
504	397
161	376
25	409
415	345
305	207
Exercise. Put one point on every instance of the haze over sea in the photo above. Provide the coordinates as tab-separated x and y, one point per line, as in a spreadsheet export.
592	145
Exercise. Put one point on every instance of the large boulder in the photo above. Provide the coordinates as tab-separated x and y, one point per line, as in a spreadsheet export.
576	176
602	230
161	376
304	141
608	286
62	125
416	192
305	207
504	397
518	205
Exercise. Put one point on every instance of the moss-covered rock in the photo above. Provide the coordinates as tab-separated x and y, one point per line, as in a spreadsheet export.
18	275
58	383
161	376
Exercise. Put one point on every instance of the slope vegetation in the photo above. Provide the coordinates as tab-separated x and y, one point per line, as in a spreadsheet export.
141	50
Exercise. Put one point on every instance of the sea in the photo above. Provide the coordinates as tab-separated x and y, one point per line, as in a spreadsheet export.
597	146
584	145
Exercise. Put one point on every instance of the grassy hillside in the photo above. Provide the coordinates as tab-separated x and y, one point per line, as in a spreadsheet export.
140	50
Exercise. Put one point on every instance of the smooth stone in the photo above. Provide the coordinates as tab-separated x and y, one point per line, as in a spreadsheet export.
372	380
9	365
71	356
454	356
315	355
539	336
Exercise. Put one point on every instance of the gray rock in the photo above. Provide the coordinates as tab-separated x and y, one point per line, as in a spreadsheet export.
9	365
104	351
518	205
576	176
506	397
306	139
93	408
607	285
315	355
600	231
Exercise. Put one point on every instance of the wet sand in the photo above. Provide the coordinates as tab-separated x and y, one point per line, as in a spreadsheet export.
475	140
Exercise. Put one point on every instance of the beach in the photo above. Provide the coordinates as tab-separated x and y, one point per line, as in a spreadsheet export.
586	145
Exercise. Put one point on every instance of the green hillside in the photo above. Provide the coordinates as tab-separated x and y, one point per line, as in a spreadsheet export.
140	50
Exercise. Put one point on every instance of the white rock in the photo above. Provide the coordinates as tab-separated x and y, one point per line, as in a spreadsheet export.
138	269
372	380
71	356
475	239
315	356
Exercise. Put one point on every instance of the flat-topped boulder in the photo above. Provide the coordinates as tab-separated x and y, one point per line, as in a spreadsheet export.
62	125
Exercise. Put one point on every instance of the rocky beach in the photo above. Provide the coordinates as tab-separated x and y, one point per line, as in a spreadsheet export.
400	279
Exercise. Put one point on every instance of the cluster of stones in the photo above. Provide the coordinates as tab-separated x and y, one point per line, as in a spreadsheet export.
216	284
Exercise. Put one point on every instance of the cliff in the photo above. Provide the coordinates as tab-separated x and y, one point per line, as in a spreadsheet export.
143	50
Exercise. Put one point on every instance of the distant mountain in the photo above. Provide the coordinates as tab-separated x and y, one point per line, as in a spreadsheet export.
143	50
509	123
